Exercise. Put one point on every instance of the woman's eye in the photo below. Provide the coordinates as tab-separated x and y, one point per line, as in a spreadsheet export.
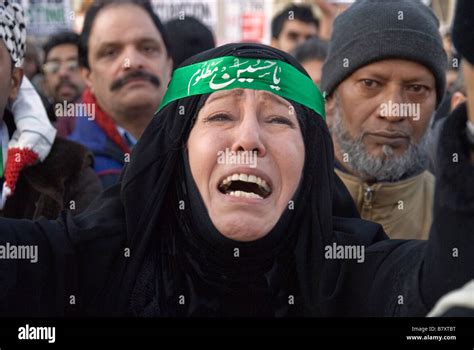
281	120
218	118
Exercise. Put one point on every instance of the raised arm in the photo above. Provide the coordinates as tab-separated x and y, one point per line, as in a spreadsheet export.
449	260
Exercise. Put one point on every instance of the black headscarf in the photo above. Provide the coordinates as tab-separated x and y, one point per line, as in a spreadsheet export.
180	265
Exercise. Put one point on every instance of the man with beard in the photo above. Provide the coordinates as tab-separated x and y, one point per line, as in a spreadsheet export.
382	86
62	79
124	57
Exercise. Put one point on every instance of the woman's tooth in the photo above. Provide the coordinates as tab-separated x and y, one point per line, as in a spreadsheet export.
243	194
247	178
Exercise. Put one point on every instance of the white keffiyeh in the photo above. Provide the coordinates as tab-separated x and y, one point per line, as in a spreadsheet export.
13	30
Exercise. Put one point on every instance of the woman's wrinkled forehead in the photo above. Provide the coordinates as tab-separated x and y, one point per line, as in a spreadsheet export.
225	96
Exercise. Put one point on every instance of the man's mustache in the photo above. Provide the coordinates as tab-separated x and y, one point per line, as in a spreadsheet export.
120	82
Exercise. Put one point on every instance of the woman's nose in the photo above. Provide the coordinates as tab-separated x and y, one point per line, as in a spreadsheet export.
248	135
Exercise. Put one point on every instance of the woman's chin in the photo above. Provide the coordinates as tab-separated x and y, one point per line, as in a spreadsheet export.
243	229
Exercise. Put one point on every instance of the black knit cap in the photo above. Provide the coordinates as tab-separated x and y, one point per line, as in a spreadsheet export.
463	29
374	30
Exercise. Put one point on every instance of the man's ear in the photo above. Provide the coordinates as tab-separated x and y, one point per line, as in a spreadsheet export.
330	107
274	43
457	98
169	67
468	71
17	77
86	75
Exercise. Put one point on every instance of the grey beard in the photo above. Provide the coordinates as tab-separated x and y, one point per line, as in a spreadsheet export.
388	167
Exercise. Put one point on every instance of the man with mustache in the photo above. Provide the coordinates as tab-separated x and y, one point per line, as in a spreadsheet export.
382	86
62	79
125	61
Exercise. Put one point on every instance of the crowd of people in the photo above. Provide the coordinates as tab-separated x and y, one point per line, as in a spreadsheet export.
360	201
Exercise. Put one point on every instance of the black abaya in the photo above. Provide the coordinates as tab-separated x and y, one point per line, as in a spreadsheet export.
133	252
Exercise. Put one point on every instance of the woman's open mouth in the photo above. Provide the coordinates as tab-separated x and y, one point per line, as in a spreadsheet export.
244	185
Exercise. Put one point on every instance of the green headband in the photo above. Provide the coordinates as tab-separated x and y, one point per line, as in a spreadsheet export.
229	72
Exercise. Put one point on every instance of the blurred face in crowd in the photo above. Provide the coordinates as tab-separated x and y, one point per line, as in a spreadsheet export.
293	33
468	71
62	77
448	45
31	61
379	116
245	202
451	76
129	65
314	69
11	78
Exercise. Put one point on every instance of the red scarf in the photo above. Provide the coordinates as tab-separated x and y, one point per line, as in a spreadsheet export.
105	122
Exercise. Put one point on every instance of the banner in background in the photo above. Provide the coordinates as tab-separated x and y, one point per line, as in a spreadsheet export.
252	27
203	10
246	21
45	17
